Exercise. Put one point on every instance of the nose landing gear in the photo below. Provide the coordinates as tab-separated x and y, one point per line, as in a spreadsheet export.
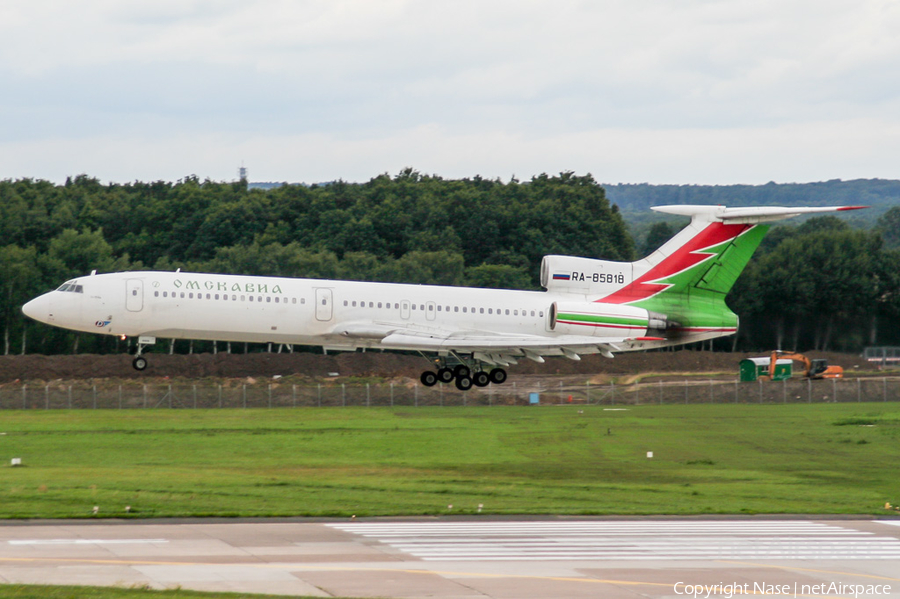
140	362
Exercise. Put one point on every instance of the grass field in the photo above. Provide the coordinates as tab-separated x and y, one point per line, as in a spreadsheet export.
832	458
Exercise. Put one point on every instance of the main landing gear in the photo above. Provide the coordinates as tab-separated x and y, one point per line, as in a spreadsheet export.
463	376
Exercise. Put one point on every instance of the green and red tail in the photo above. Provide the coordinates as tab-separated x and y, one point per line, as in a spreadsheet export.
688	278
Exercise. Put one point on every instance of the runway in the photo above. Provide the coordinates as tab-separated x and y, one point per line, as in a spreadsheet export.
467	558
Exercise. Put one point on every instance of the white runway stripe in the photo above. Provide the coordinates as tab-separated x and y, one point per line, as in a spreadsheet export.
454	541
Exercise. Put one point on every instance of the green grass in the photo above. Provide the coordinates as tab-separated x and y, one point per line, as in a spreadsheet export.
19	591
832	458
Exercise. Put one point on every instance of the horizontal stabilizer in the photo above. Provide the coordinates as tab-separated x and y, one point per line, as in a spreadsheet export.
747	215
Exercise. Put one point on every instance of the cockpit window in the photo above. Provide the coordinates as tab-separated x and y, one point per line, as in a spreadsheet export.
72	287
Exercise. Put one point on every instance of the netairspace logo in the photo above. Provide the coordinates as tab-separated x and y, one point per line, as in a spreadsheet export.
784	590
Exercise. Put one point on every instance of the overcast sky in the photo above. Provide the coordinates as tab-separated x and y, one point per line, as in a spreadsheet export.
659	91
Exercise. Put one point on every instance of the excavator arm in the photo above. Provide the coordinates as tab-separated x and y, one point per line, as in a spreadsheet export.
820	371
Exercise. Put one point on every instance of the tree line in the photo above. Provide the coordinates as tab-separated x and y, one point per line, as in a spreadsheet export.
818	285
407	228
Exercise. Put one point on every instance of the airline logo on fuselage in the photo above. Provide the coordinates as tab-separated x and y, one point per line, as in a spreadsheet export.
248	287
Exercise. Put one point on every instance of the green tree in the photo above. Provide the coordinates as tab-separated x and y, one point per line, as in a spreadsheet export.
498	276
658	234
20	280
889	227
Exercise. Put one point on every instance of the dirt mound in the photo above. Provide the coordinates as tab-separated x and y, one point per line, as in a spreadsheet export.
223	365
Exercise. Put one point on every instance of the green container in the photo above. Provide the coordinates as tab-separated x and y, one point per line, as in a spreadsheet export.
753	368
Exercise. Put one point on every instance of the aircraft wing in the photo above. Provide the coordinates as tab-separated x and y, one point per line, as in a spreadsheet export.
499	346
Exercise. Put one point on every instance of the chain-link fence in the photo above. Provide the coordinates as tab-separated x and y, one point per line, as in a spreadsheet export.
270	395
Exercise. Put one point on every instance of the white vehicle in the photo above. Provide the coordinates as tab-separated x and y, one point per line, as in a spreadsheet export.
675	295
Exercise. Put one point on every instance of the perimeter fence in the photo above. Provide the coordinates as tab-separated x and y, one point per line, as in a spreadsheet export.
272	395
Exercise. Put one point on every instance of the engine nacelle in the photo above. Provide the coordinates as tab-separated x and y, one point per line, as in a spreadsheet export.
605	320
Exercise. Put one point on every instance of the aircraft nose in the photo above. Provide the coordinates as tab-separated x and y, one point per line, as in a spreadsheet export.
38	308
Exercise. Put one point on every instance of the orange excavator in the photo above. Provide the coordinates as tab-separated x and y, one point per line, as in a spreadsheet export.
814	369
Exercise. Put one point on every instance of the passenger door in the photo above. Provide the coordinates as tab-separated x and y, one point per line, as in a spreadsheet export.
324	304
134	295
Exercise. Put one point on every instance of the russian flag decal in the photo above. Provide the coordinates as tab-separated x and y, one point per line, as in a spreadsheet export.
561	277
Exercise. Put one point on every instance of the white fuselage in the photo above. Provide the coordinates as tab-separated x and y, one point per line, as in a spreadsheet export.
334	314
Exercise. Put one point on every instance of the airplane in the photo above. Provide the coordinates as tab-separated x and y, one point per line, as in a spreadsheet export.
676	295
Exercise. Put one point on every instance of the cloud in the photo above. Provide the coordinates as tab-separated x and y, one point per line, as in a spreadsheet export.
659	90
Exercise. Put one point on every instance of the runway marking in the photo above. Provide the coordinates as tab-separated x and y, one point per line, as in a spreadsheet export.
653	540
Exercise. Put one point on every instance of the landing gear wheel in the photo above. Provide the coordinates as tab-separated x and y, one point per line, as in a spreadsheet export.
497	376
139	363
428	378
481	378
461	372
463	383
445	375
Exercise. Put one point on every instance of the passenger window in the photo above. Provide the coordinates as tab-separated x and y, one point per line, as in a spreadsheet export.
156	294
507	311
464	309
481	310
430	308
379	304
251	298
456	308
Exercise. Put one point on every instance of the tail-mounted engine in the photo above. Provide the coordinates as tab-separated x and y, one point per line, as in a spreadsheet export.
606	320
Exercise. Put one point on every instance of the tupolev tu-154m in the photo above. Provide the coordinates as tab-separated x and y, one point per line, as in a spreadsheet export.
675	295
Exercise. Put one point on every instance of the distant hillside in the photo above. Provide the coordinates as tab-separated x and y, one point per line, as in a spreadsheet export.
880	194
